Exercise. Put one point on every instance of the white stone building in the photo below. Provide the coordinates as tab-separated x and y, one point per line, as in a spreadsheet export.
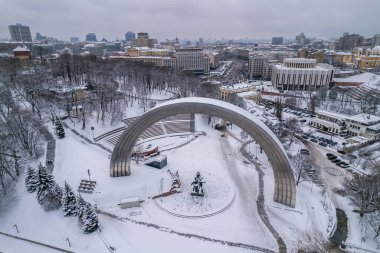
301	74
363	125
193	59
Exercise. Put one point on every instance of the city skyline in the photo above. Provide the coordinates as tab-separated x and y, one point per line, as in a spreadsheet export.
211	19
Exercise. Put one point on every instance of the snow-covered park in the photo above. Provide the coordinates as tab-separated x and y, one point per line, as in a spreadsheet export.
236	214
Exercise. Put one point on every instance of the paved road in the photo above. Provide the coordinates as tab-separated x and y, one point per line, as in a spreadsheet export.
15	244
330	173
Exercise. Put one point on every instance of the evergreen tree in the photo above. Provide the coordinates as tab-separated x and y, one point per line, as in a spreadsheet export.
90	220
49	194
69	202
31	182
53	198
333	94
81	206
60	131
45	182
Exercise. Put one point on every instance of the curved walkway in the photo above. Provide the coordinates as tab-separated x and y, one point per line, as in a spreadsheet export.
261	200
50	148
37	243
188	235
85	138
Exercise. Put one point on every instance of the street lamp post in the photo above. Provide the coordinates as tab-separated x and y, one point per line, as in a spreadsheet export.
93	135
68	241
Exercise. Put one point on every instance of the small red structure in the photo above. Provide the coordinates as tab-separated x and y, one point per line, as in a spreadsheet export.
146	153
23	54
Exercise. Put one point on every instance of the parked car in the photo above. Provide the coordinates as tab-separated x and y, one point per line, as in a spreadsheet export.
342	152
305	136
314	140
323	144
303	120
336	160
329	154
345	166
305	151
332	157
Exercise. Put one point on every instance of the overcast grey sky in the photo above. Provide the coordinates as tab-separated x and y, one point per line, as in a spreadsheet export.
192	19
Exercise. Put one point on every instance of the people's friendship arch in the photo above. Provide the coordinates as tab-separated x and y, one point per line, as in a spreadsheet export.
285	189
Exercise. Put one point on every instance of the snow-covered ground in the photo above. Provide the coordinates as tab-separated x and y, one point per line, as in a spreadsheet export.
149	228
368	79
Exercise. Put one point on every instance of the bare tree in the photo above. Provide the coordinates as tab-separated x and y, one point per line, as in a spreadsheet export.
301	163
278	107
364	192
292	126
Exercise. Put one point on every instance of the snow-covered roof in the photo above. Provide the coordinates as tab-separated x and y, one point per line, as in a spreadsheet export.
247	94
332	114
21	49
343	53
368	79
364	118
377	48
129	200
320	66
241	85
358	139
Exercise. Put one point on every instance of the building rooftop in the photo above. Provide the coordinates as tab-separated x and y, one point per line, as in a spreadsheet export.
21	49
332	114
364	118
320	66
343	53
368	79
237	86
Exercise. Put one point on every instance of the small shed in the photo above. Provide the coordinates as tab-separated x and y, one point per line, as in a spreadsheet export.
158	162
130	202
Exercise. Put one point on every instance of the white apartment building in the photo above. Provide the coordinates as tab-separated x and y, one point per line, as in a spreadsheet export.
365	125
256	65
328	121
193	59
268	68
301	74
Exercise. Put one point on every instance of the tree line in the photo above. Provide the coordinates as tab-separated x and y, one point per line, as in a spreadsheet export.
28	99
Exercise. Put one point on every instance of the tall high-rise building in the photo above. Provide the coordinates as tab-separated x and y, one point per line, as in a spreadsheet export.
349	41
91	37
376	40
20	32
130	36
302	40
142	36
277	40
193	59
144	41
74	39
256	65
